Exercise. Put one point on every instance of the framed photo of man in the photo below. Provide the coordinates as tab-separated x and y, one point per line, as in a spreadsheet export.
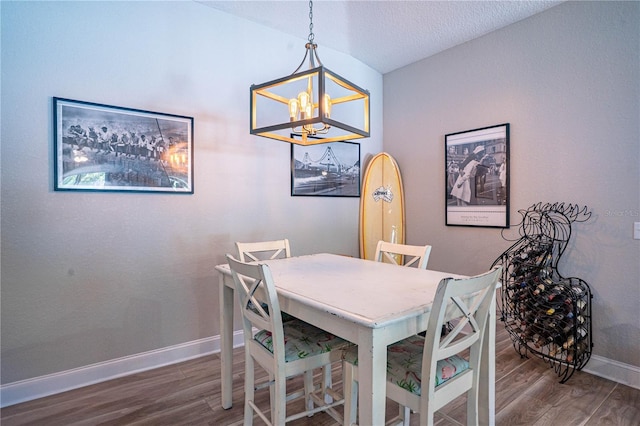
477	177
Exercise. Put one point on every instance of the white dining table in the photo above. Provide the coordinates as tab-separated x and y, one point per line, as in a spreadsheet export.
371	304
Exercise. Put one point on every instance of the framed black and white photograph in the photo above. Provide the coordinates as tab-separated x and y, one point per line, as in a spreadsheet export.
327	169
109	148
477	177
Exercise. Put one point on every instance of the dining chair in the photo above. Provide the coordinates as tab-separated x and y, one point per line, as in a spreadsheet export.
269	250
284	350
263	250
426	373
403	254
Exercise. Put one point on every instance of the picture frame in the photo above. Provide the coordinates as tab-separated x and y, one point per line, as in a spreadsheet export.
101	147
326	169
477	177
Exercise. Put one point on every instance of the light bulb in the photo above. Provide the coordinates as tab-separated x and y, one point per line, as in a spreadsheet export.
327	105
294	107
304	99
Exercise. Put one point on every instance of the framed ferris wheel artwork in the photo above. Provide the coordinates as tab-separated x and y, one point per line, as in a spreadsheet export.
326	169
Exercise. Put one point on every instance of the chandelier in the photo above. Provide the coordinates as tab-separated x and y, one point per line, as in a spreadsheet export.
307	105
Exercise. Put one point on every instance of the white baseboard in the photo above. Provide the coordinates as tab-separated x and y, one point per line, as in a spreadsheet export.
38	387
620	372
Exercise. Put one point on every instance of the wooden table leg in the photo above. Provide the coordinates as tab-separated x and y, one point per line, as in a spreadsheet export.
372	381
226	343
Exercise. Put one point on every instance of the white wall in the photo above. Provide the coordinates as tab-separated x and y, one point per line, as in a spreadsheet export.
568	82
90	277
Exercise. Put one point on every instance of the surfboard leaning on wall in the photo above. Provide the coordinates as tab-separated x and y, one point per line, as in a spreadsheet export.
381	205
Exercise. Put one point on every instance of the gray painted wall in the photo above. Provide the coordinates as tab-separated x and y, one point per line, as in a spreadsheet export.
92	277
89	277
568	81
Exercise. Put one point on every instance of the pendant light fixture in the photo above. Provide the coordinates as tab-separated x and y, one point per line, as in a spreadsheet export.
311	106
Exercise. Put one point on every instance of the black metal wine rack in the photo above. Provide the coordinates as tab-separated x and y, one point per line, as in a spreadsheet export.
545	313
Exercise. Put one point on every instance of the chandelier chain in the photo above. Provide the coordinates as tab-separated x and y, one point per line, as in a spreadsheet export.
311	35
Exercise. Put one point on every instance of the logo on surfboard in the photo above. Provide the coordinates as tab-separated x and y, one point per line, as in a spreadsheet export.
385	193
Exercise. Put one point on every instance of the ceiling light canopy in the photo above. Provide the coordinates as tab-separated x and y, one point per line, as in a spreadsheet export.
311	106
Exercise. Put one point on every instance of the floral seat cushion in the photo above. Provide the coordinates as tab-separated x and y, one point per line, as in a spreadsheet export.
302	340
404	364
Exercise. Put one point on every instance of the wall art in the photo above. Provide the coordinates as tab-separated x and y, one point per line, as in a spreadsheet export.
327	169
108	148
477	177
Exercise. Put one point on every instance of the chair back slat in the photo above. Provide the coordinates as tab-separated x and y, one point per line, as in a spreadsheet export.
258	301
403	254
472	316
263	250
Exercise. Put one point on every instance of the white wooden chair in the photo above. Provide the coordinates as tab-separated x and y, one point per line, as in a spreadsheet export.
283	349
263	250
268	250
403	254
426	373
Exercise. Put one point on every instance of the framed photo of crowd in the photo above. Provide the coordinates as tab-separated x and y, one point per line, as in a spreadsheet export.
477	177
109	148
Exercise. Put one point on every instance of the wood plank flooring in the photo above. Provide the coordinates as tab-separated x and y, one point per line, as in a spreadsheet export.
527	393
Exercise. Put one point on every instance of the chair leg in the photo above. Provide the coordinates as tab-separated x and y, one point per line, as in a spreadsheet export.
427	411
249	389
279	404
404	414
327	383
308	389
472	406
350	389
429	415
272	395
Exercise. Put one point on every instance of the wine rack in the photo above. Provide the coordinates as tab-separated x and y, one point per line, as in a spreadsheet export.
546	314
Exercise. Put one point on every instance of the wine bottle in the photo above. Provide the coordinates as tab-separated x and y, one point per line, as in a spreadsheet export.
556	291
581	304
539	289
569	343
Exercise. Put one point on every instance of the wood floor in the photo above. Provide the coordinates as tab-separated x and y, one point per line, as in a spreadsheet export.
527	393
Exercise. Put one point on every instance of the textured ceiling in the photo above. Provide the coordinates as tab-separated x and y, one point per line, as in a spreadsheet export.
386	35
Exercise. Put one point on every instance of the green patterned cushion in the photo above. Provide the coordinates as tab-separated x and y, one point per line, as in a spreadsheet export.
404	364
302	340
